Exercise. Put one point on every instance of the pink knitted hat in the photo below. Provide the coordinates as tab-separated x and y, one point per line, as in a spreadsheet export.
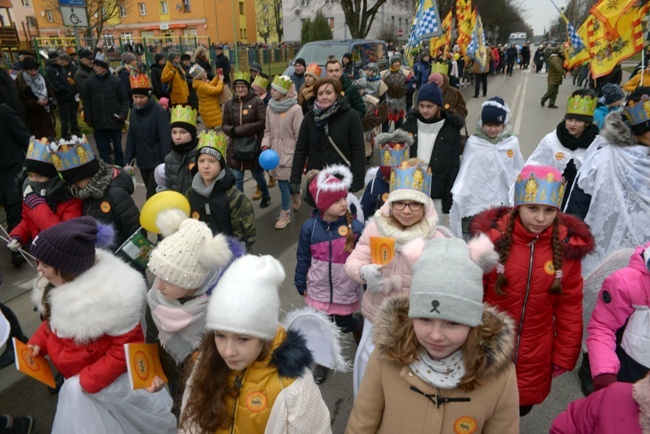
330	186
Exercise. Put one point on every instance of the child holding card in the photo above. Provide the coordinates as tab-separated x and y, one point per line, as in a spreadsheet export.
409	217
93	304
325	242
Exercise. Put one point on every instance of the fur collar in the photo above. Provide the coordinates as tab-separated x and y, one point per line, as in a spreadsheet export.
498	348
107	299
641	394
574	233
616	131
425	228
292	356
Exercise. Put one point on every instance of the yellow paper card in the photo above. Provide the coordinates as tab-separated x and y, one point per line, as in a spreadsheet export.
35	366
382	250
143	364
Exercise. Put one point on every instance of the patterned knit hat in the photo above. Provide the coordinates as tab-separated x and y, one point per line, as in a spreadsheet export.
430	92
495	111
330	186
246	299
188	254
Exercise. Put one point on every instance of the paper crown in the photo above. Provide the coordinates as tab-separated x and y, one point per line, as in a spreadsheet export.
212	143
394	147
101	58
71	154
638	112
314	70
39	150
440	67
405	177
183	113
282	84
140	81
195	70
261	82
540	185
582	105
242	76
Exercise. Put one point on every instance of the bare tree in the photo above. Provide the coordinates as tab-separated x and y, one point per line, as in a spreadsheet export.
387	32
99	13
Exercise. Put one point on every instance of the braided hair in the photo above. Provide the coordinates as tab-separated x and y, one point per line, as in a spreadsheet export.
504	252
556	287
350	238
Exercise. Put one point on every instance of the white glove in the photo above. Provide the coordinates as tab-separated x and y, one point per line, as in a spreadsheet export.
373	277
14	245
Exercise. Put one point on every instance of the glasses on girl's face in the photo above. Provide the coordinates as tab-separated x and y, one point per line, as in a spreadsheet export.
413	206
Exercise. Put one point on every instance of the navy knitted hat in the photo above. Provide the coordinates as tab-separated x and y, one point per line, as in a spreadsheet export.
430	92
495	111
610	93
70	245
300	61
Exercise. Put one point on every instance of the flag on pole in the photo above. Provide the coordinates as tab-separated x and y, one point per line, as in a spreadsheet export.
439	42
426	24
464	23
476	49
574	57
575	39
609	12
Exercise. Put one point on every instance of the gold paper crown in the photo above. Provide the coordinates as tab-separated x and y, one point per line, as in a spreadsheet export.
211	143
242	75
440	67
184	113
39	150
584	105
408	177
638	112
140	81
282	83
261	82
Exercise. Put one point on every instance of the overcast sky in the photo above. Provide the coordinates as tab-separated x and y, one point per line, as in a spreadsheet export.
540	13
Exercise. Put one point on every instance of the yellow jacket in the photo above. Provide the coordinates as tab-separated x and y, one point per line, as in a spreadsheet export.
634	82
209	107
174	76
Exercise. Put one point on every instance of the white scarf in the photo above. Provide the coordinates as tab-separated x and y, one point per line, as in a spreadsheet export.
550	152
443	374
427	134
37	84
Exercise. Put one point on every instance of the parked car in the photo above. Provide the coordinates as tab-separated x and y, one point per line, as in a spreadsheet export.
363	51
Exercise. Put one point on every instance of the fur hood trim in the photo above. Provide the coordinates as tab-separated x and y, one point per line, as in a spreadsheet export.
616	131
292	357
574	233
424	228
389	330
641	394
339	171
107	299
397	136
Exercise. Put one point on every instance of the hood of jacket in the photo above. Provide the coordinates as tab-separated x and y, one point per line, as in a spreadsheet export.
616	131
450	118
289	354
107	299
122	180
638	263
425	228
577	241
389	333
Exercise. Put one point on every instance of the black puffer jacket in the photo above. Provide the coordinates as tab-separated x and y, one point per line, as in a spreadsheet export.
156	82
314	148
178	167
104	99
445	157
149	138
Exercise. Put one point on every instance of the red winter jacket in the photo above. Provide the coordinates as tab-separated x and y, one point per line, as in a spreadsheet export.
42	217
98	362
549	326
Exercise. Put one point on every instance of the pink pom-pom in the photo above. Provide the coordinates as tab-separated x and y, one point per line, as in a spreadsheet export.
540	172
482	252
164	102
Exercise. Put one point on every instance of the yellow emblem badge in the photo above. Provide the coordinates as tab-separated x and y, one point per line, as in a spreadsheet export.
549	268
195	215
105	207
343	230
510	153
559	156
465	425
256	401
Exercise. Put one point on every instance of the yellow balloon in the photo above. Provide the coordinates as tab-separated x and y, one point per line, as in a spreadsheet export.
159	202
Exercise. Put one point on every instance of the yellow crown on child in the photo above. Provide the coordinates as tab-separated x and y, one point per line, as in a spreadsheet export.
638	112
282	84
440	67
140	81
242	76
71	153
261	82
582	105
405	176
184	113
212	143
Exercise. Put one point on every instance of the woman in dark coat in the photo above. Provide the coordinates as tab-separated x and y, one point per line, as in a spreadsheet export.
38	117
436	141
331	120
244	116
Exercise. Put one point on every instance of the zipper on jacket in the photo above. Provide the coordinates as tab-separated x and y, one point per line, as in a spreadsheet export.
523	308
239	383
329	263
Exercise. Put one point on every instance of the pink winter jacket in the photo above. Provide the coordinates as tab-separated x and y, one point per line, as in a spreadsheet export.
620	292
408	247
280	134
617	409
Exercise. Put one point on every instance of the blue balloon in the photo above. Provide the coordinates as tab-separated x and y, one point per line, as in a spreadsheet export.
269	159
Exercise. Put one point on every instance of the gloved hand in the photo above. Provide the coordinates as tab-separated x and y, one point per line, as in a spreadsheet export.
557	371
603	380
31	199
372	275
14	245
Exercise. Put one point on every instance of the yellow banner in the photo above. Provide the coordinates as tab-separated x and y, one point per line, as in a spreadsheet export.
440	42
575	59
608	13
464	23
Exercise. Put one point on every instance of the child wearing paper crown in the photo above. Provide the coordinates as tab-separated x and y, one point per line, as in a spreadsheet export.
93	304
253	374
566	147
181	160
393	150
443	361
105	190
214	198
208	92
408	217
186	265
490	165
325	242
538	280
283	119
46	202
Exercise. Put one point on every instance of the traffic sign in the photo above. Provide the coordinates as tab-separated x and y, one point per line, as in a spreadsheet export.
400	33
79	3
74	16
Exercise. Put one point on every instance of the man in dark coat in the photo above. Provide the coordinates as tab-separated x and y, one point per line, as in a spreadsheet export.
156	73
84	71
298	76
58	79
335	70
223	63
9	93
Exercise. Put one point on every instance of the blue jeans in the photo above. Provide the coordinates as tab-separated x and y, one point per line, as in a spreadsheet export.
103	139
285	194
258	176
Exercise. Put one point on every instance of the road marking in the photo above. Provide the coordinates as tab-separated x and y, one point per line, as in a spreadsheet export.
520	109
515	101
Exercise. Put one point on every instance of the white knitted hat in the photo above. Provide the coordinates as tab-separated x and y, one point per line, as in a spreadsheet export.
188	254
246	299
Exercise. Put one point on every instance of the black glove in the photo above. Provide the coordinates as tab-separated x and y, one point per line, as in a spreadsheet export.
294	188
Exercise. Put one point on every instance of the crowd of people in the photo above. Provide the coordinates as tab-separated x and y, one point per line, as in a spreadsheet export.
458	329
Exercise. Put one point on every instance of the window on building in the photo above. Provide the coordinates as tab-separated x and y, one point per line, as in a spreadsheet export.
122	10
108	39
266	22
48	15
164	9
331	20
32	22
242	33
241	8
265	7
126	37
143	8
186	5
25	3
